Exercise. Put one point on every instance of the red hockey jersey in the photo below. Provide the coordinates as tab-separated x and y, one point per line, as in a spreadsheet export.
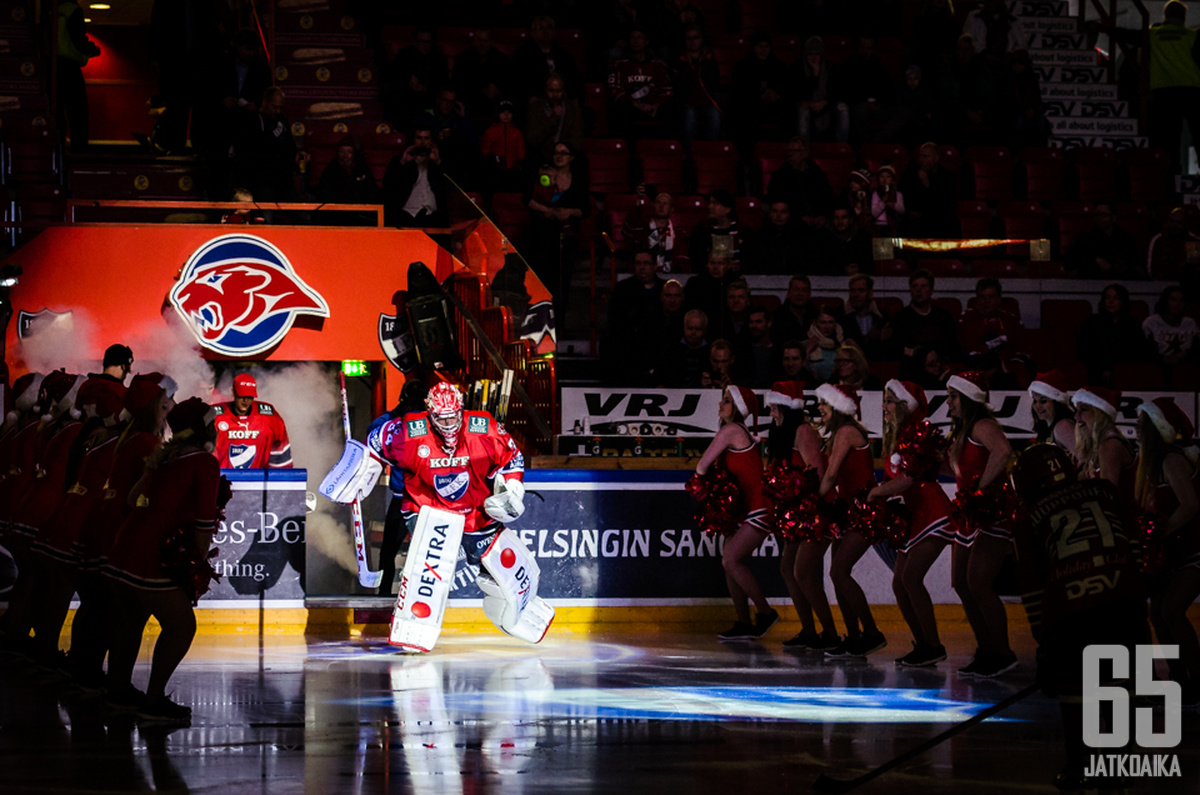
459	482
258	440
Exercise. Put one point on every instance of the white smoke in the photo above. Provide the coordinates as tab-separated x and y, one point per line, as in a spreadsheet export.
65	341
175	353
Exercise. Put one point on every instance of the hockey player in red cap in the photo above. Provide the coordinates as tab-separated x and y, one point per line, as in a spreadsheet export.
462	484
250	433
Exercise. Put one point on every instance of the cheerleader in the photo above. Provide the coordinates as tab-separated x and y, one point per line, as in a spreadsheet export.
1053	417
1100	448
978	456
904	426
179	491
795	443
734	450
851	471
1166	488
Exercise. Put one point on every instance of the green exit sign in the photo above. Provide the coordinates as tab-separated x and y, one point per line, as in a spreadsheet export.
355	367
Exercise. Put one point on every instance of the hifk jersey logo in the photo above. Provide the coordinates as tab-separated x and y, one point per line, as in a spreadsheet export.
239	295
453	486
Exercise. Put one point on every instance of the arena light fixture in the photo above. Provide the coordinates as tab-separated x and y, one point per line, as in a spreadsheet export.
100	6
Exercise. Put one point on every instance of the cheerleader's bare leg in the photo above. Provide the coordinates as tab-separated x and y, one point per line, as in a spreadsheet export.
741	581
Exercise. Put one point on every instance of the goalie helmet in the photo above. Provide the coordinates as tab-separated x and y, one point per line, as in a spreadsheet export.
445	406
1039	469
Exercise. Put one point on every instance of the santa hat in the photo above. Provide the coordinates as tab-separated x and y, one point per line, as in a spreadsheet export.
58	391
24	394
101	397
786	394
1170	421
971	384
1099	397
745	401
909	394
841	398
143	389
191	417
1052	385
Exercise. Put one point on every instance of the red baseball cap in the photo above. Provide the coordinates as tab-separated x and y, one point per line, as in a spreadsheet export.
245	386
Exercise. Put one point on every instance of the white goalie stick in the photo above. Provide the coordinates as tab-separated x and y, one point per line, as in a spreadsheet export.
366	577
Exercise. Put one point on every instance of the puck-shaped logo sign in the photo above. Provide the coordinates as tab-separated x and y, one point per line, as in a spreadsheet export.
421	610
508	558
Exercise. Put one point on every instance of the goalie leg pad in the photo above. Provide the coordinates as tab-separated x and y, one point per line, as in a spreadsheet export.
426	581
353	476
510	597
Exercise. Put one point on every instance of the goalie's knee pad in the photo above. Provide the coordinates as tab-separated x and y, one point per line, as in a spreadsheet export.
510	597
426	581
353	476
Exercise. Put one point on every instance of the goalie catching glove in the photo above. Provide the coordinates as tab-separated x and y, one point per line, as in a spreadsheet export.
353	476
508	502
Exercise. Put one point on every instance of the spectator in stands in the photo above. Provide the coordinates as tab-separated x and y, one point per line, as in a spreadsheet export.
268	158
913	119
1107	251
347	180
722	223
887	204
779	247
822	110
803	185
656	233
684	362
987	327
858	197
633	312
930	195
737	311
75	49
825	336
482	75
503	150
1167	257
924	367
557	202
850	369
706	291
414	186
1019	103
935	31
758	366
923	323
553	118
1110	336
539	57
968	94
846	245
793	361
696	79
413	75
1174	82
721	360
243	215
454	136
867	90
760	101
241	79
668	323
1171	334
792	319
639	87
609	25
994	371
994	30
862	321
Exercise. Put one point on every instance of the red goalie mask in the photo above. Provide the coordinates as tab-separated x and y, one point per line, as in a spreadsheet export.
445	405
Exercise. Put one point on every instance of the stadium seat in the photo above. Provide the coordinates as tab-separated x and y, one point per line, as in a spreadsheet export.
595	98
883	370
608	164
1149	175
836	160
1065	316
1094	173
1045	270
716	166
949	158
1021	219
891	267
837	48
511	216
951	305
876	155
1067	227
889	305
662	164
991	172
689	211
1136	219
997	269
975	218
751	212
1044	170
943	267
1140	310
770	155
1142	376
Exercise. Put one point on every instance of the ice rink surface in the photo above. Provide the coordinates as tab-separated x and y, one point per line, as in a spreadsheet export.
656	713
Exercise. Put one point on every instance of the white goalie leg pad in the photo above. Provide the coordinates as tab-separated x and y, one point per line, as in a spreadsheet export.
353	476
426	580
510	597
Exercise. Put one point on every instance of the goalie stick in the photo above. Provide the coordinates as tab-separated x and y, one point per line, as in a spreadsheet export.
366	577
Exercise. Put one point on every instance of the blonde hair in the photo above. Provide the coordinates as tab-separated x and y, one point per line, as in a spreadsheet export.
891	428
851	351
1152	451
1088	441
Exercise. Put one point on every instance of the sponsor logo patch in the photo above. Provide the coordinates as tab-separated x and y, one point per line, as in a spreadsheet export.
423	451
478	425
417	427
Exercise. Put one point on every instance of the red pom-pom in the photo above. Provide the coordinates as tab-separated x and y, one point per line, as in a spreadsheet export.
720	502
991	506
184	564
919	450
886	520
793	503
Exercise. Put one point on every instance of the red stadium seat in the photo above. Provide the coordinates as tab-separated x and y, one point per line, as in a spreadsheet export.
770	156
991	172
1054	269
1095	172
837	48
949	158
889	305
716	166
975	219
1065	316
510	215
1069	226
608	164
876	155
836	160
951	305
751	211
662	164
1044	170
943	267
1142	376
1138	221
891	267
689	211
1140	310
997	269
1149	175
595	97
